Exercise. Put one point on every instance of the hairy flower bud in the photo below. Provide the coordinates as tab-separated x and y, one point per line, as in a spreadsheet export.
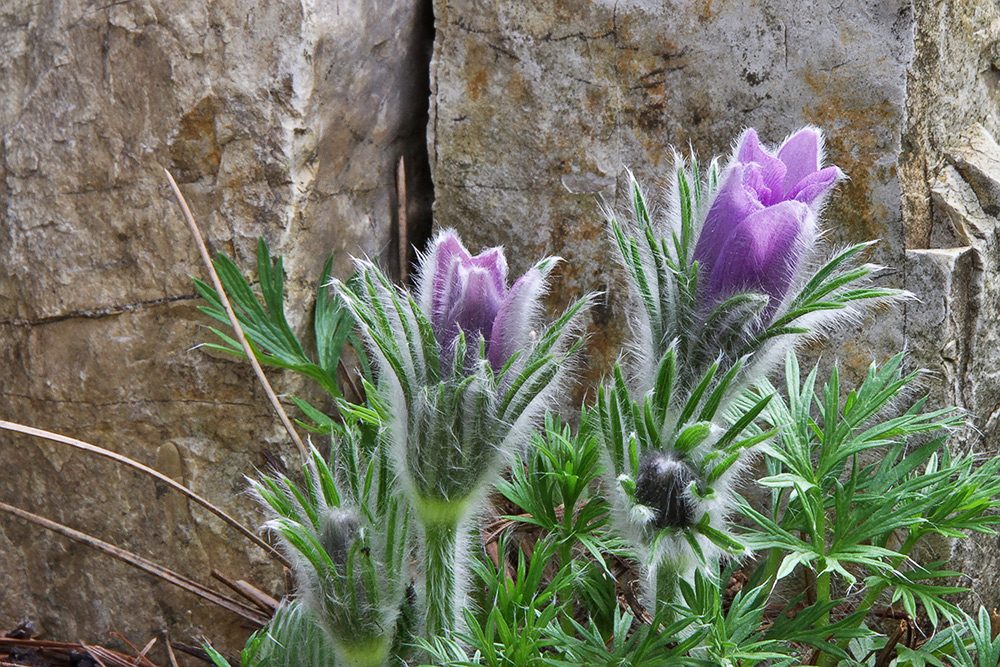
661	484
464	377
338	528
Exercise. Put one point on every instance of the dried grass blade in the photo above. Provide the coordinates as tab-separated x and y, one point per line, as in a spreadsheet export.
115	659
170	653
141	563
140	660
160	477
95	653
261	599
237	329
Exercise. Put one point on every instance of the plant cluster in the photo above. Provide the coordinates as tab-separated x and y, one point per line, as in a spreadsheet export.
616	542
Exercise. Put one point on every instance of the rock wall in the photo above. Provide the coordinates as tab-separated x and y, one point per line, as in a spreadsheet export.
536	112
538	107
278	119
950	172
286	120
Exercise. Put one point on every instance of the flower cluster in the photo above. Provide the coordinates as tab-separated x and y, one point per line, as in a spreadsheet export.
722	289
466	367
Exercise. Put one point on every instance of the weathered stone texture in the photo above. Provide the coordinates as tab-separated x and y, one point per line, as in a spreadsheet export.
279	119
537	107
950	176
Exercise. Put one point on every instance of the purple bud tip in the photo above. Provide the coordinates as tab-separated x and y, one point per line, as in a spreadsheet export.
462	292
661	484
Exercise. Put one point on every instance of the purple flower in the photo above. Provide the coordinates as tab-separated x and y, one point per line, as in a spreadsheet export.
460	292
763	218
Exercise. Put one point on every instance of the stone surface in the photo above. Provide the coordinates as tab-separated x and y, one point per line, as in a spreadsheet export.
278	119
966	190
949	175
537	107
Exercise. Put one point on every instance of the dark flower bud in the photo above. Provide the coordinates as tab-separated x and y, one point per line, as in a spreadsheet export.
337	532
662	486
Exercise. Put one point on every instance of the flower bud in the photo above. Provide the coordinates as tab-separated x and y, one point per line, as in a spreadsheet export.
763	218
338	527
661	484
461	292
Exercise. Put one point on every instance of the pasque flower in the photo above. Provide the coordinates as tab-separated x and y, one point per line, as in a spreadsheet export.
466	369
467	365
763	218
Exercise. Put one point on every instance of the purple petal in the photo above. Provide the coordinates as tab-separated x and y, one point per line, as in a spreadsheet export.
513	325
495	263
749	146
753	180
732	204
771	168
812	186
475	307
800	153
437	271
448	256
762	254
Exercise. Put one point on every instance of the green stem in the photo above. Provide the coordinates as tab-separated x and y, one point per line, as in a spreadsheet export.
665	591
774	558
442	583
824	659
565	557
823	580
371	653
565	545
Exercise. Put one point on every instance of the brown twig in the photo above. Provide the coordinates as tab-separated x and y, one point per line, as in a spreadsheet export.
237	329
141	563
140	658
266	603
402	234
110	658
888	651
349	378
95	653
160	477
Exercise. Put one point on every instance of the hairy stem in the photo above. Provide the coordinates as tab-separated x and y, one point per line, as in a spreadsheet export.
443	584
662	591
565	558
